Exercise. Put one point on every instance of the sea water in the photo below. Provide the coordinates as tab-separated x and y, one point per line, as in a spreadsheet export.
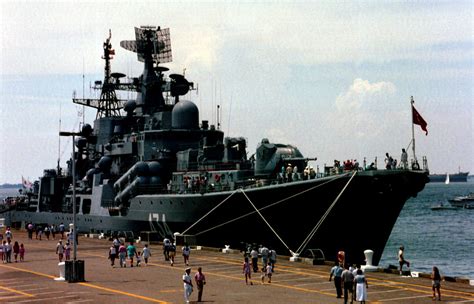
442	238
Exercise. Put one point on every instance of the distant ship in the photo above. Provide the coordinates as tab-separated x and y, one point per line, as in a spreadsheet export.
150	165
453	178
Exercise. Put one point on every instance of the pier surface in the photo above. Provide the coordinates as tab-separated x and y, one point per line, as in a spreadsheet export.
32	281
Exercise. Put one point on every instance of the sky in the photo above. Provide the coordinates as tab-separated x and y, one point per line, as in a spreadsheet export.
333	78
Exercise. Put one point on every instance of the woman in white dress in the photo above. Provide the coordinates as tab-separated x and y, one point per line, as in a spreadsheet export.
361	286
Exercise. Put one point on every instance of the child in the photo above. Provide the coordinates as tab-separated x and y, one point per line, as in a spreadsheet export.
22	252
264	273
246	271
112	255
139	258
269	272
67	251
146	254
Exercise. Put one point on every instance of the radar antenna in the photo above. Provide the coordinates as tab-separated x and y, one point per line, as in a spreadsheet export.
150	39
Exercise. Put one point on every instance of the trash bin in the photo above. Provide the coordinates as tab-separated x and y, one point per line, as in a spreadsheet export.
80	271
68	271
74	271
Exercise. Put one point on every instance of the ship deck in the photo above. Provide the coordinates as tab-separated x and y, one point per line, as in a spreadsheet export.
33	281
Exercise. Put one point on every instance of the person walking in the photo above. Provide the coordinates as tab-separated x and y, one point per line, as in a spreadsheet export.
361	286
67	251
16	251
22	252
186	253
60	250
336	272
146	253
269	270
401	259
53	231
62	228
3	254
171	253
347	279
246	271
116	244
47	232
188	284
436	280
166	246
254	257
132	252
8	249
200	282
122	255
30	229
112	255
272	256
264	252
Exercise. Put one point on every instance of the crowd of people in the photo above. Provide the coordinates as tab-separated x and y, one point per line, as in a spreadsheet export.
8	247
349	280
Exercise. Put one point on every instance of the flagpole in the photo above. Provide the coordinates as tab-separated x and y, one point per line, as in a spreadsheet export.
413	129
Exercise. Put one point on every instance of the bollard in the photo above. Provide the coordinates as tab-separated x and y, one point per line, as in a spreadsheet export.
227	249
62	270
369	254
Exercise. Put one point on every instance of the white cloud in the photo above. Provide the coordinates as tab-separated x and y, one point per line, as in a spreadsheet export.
360	92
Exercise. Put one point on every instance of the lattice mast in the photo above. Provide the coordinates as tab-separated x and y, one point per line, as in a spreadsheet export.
108	105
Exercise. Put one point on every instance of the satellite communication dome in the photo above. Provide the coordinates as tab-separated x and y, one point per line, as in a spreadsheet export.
185	115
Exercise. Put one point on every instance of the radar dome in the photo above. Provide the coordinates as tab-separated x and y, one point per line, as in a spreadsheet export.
141	169
154	168
185	115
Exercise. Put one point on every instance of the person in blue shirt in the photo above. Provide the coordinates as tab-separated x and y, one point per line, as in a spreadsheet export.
336	272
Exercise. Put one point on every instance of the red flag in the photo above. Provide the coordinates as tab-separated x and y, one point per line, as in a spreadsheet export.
418	120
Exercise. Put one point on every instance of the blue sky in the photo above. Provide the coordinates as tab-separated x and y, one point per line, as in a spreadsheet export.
333	78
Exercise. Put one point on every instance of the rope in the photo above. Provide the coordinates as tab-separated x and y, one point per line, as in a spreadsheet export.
321	220
223	201
263	218
271	205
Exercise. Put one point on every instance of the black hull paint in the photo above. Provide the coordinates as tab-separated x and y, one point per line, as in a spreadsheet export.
362	218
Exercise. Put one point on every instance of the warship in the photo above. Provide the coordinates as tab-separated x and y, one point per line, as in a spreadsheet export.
150	165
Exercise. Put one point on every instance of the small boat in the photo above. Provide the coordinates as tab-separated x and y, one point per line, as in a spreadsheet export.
442	206
465	201
447	179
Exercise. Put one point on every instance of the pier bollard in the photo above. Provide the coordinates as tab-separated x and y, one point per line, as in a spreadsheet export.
227	249
295	257
369	254
62	271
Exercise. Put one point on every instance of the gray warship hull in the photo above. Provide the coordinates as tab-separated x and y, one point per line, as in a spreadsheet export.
365	209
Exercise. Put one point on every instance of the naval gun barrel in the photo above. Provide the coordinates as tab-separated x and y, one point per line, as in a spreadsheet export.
293	159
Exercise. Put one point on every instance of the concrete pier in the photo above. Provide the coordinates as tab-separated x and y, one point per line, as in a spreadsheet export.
33	281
